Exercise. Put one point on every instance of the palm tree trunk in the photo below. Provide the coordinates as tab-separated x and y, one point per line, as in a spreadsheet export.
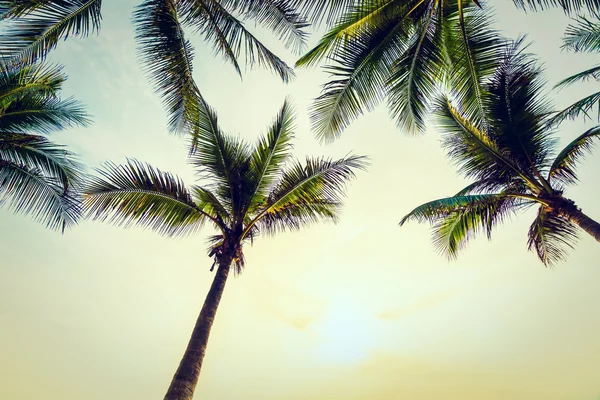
569	210
187	374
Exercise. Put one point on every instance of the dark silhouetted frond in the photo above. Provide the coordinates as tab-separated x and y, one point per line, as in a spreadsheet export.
563	167
551	236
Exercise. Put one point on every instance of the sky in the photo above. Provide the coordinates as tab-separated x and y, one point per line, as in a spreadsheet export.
364	309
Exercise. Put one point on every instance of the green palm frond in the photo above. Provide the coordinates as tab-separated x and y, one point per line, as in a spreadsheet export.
583	106
138	194
295	216
583	34
416	74
279	16
328	11
167	59
42	115
476	153
358	75
312	190
590	73
35	27
473	55
221	159
229	36
518	110
569	6
563	167
29	191
209	203
269	156
41	155
551	236
18	81
457	219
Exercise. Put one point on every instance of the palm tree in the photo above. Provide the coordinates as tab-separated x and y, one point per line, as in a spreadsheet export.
512	164
33	27
37	177
250	190
404	51
582	36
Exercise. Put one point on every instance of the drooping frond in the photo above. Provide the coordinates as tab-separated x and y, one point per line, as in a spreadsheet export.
279	16
138	194
583	34
19	81
457	219
583	106
551	236
474	50
167	59
42	115
229	36
35	27
307	192
416	74
588	74
29	191
358	75
39	154
269	156
328	11
563	167
569	6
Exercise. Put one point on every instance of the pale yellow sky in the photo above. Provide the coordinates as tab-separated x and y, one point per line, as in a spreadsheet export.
359	310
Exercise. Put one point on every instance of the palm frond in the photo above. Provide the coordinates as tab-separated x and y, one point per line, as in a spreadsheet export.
279	16
583	106
18	81
551	236
476	153
583	34
230	37
590	73
36	26
457	219
472	56
359	74
209	203
563	167
138	194
42	115
167	60
269	156
39	154
568	6
311	191
27	190
518	111
415	75
325	11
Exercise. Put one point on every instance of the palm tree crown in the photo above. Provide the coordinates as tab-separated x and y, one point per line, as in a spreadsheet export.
37	177
403	51
251	189
34	27
509	154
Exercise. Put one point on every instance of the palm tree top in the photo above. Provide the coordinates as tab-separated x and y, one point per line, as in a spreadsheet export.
512	160
247	189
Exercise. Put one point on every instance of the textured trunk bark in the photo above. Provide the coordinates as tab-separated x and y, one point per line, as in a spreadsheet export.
187	374
569	210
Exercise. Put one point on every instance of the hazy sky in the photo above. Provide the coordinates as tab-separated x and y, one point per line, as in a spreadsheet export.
359	310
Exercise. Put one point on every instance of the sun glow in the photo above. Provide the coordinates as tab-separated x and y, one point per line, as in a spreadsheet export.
345	334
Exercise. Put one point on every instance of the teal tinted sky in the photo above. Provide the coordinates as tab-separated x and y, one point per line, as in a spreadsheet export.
359	310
